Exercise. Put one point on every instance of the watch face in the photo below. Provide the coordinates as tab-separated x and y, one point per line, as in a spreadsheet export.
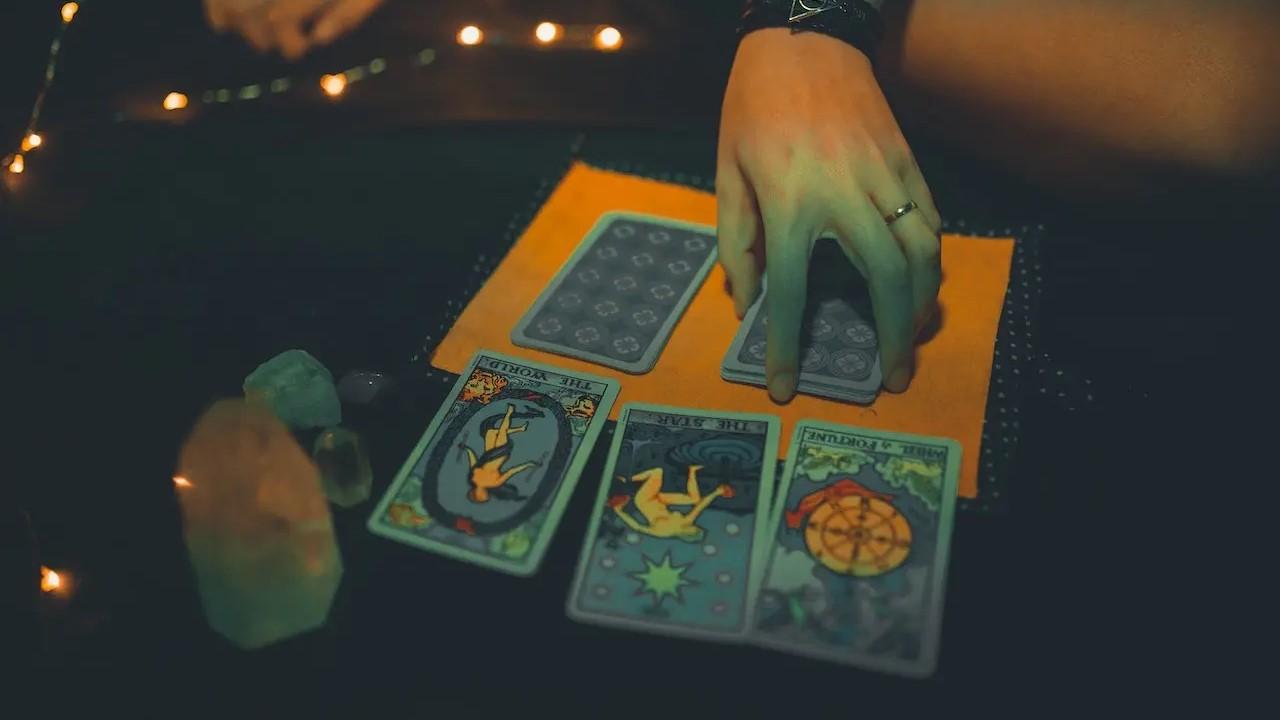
801	9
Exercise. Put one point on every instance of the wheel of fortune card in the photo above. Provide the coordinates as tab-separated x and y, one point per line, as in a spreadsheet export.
857	534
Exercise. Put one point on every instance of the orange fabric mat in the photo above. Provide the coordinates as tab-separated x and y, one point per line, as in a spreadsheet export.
947	398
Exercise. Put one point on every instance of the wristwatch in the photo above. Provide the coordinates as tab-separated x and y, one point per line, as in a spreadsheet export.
856	22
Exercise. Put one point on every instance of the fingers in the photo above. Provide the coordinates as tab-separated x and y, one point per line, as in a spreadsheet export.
738	229
286	19
788	246
342	15
918	190
216	13
256	30
917	237
861	228
282	24
921	249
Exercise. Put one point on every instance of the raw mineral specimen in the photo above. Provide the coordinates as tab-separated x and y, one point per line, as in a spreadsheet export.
257	527
364	388
344	467
298	388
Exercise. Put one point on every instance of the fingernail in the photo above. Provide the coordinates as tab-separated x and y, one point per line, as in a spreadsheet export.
782	386
899	379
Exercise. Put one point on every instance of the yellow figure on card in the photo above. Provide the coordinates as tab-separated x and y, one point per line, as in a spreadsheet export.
487	476
660	520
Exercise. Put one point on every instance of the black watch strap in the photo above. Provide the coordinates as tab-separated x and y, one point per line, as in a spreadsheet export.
854	21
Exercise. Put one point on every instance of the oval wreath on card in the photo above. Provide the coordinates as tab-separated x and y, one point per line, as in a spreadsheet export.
498	462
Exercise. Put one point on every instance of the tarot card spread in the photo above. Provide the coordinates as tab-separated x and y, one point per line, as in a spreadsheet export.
492	474
857	548
672	539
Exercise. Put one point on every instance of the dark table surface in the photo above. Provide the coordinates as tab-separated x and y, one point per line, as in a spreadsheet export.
151	266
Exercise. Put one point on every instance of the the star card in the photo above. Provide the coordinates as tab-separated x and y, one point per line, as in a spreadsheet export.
857	547
618	297
677	519
490	477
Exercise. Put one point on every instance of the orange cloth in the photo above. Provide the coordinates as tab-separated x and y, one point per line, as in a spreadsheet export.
947	398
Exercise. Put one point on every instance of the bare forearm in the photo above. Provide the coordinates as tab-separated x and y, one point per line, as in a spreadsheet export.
1174	81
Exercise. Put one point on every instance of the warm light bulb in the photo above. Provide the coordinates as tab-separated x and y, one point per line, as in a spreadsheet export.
175	101
608	38
31	141
547	32
69	11
470	35
334	85
181	481
17	165
50	580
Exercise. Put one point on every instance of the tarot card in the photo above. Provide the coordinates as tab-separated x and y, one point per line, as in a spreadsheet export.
490	477
618	297
679	513
857	548
839	352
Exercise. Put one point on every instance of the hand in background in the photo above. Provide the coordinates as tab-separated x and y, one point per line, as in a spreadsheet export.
291	27
809	148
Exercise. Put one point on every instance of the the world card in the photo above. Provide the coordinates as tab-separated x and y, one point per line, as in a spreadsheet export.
490	477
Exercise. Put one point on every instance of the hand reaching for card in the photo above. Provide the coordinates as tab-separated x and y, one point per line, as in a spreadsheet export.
291	27
809	148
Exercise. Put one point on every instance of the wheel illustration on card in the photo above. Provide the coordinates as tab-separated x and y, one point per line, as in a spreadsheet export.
626	345
644	317
659	237
662	292
569	301
589	335
851	364
695	244
812	358
821	329
852	530
624	283
548	327
859	334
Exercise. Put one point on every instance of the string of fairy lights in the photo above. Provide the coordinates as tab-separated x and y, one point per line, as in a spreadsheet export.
545	34
16	162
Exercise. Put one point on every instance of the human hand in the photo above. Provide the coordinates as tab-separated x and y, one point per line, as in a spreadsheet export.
809	148
290	26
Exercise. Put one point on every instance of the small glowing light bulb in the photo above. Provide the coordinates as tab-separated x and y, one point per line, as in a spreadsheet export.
608	38
69	11
547	32
175	101
50	580
17	165
334	85
470	35
181	482
31	142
